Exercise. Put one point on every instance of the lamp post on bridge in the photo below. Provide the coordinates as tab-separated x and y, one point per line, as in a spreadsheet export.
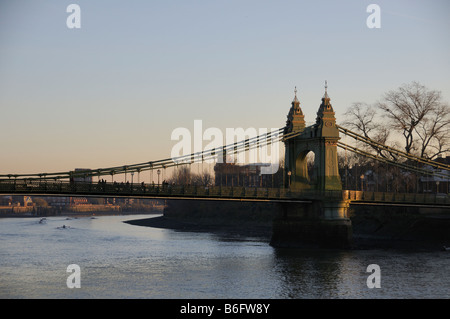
289	174
159	172
362	182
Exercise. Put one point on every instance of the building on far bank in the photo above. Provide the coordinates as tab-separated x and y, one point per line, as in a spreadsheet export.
436	184
5	200
16	200
81	175
249	175
60	201
20	200
57	201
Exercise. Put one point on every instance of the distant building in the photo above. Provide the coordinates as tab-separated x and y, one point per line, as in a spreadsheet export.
58	201
75	201
230	174
5	200
18	200
436	184
81	175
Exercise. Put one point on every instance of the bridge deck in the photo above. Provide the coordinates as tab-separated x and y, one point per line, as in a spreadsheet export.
47	188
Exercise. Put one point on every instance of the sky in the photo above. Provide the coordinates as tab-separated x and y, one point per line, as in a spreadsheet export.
111	92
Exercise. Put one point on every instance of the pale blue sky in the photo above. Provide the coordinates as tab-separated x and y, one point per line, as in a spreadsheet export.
112	92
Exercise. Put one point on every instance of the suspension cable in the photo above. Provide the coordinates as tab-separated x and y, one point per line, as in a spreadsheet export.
389	149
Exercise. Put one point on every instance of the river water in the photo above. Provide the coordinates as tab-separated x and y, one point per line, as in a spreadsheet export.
119	260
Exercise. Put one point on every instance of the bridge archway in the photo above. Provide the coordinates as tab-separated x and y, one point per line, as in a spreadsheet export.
304	172
300	175
306	168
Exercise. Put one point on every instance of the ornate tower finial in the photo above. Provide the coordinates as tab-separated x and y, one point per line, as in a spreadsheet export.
325	109
295	119
295	96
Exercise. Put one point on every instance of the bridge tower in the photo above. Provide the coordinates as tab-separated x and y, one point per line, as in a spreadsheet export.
324	222
321	139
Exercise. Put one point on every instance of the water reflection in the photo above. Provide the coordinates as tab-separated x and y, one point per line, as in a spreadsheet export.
310	274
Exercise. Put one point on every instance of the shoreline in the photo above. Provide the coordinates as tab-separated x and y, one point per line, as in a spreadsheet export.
80	214
263	233
162	222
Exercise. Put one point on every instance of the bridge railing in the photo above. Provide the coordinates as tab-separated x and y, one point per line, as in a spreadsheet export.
121	189
60	187
397	197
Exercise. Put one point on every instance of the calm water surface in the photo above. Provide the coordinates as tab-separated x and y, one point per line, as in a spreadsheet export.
119	260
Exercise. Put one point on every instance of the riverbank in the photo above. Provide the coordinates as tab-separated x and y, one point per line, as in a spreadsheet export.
361	240
30	212
260	231
372	227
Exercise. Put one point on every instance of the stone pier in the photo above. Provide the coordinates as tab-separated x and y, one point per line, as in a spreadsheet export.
322	224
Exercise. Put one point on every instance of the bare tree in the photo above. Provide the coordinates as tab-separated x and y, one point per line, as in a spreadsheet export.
361	118
420	115
202	179
184	176
181	176
433	132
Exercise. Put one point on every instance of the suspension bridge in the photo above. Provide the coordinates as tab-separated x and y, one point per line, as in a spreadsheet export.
322	138
324	192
